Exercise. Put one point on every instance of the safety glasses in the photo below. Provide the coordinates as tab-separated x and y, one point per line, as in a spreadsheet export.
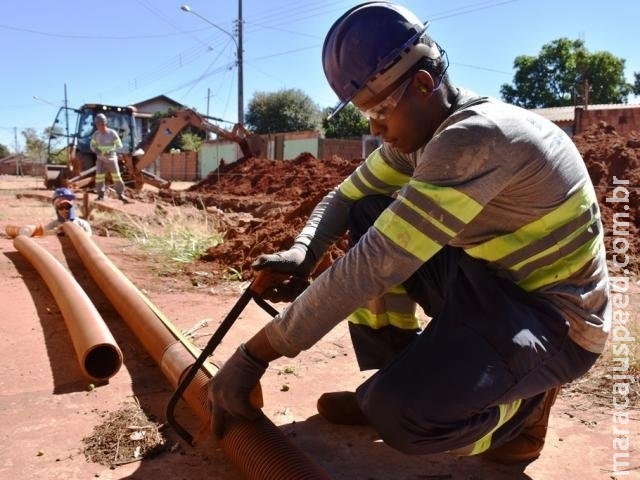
385	108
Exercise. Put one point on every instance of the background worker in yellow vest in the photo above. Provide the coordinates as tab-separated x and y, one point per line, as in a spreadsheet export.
481	213
105	143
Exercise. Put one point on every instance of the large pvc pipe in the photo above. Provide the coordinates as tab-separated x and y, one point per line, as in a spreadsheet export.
259	450
98	354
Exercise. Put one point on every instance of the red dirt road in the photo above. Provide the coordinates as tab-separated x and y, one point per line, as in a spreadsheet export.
47	407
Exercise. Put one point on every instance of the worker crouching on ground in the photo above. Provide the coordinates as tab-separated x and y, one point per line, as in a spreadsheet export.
63	201
479	212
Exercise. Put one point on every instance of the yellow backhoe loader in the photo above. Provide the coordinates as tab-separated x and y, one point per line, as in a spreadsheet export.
71	163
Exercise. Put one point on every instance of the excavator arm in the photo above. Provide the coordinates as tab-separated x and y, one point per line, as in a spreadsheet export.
171	126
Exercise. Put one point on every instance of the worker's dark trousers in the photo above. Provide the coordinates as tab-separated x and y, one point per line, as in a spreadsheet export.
489	343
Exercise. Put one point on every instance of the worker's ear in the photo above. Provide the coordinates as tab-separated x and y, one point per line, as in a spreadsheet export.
424	82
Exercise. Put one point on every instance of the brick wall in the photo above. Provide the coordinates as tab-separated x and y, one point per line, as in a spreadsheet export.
624	120
181	166
344	148
27	167
328	147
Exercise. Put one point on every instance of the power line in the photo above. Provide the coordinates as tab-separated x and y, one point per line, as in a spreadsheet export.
476	67
475	7
270	18
96	37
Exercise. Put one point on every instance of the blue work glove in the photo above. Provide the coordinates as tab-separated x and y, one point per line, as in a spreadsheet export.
231	388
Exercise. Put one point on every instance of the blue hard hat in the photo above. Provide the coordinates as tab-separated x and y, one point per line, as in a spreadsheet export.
65	193
371	40
63	196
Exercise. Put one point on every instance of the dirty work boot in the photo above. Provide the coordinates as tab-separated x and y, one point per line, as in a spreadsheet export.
124	198
528	444
341	408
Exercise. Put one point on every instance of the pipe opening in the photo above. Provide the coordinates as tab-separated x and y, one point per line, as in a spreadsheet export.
102	362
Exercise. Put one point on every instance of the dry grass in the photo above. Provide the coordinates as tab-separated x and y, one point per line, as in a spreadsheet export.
174	235
124	436
595	388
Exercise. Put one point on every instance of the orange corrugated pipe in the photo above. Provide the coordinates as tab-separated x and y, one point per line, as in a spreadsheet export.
259	450
98	354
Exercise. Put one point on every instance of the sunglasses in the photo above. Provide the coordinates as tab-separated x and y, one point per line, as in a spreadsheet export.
385	108
65	206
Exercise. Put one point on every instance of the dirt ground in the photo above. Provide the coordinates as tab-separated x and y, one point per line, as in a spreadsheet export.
47	406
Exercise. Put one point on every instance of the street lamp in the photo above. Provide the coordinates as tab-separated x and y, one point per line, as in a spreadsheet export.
66	117
66	107
35	97
238	43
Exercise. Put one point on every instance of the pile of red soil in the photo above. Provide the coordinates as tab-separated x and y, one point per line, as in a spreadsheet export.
276	197
613	162
266	203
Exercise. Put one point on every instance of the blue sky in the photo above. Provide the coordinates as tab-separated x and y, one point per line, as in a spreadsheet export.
124	51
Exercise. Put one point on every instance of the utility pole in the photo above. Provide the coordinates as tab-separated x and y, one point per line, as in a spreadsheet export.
240	69
586	93
18	154
239	54
66	110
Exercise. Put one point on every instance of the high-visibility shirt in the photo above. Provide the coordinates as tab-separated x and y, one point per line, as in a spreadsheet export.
106	144
504	184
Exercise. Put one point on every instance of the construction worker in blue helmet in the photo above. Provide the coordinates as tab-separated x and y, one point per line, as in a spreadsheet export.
480	213
64	204
63	201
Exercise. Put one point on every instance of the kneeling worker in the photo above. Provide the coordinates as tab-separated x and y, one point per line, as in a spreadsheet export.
481	213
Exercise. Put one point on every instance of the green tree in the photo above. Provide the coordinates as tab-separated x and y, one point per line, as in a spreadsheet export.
347	124
561	75
4	151
35	146
288	110
636	83
190	142
57	145
190	139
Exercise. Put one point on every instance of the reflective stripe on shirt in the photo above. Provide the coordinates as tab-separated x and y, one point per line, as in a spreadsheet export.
551	248
393	308
426	217
375	176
